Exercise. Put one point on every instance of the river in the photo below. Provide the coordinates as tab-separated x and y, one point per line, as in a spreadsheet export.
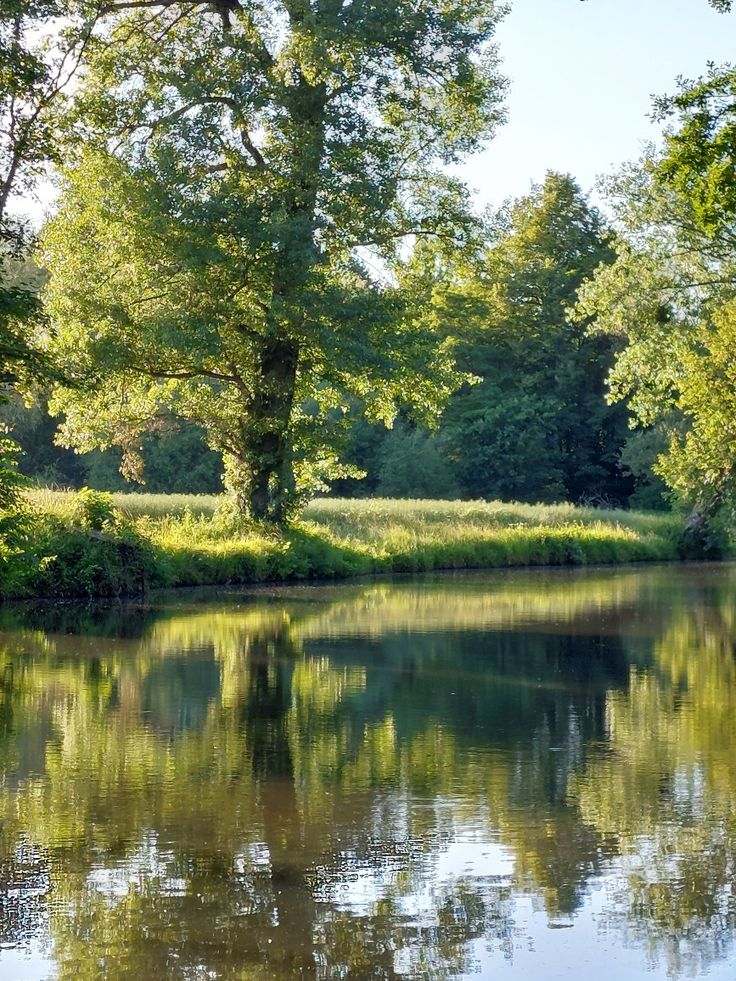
527	774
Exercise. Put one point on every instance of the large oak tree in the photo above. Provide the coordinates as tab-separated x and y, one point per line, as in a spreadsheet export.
245	176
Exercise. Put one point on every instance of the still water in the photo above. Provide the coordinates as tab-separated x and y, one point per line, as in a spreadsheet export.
528	775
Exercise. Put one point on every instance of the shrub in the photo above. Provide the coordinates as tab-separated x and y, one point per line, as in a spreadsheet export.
94	510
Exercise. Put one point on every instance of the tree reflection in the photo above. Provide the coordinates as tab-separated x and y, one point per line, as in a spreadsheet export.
664	789
258	792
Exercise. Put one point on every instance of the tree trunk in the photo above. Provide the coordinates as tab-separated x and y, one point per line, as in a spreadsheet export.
267	429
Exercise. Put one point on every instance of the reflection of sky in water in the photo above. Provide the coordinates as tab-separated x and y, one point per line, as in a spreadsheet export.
528	774
36	964
537	947
147	863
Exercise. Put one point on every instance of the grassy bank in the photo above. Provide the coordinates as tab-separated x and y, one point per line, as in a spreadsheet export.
77	545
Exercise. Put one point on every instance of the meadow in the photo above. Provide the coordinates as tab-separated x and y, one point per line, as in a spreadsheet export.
91	544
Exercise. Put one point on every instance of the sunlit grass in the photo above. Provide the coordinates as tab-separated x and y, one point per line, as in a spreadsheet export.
135	505
367	519
187	540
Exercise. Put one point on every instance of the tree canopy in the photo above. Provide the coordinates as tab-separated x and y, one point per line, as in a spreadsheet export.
671	292
214	252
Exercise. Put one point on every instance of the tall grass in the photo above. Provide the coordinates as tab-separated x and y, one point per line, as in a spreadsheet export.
134	505
184	540
368	517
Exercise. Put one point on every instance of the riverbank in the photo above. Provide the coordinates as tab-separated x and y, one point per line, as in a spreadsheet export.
88	544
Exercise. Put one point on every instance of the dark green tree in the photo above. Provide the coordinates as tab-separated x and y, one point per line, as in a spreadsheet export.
411	464
536	427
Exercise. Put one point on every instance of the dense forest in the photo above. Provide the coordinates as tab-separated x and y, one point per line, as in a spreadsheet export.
260	275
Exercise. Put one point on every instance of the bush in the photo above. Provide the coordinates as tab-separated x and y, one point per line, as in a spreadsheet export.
79	564
94	510
82	550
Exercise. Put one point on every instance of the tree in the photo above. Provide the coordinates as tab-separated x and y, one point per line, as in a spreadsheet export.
411	464
671	294
211	259
536	428
34	74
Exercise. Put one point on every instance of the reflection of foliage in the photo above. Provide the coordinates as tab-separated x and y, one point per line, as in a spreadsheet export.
224	777
664	789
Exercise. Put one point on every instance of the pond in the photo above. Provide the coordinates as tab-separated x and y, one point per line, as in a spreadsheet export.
522	774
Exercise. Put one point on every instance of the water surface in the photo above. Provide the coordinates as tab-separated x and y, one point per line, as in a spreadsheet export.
527	774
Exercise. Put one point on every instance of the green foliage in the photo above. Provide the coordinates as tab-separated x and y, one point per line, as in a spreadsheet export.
177	462
82	548
31	79
536	427
41	460
11	480
76	564
639	456
697	162
21	362
502	444
19	318
34	71
94	510
671	295
210	258
13	515
412	465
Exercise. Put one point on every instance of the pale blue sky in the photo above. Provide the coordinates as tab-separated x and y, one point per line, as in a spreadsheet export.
582	76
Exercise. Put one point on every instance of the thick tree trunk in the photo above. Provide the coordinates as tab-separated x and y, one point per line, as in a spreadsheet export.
267	430
267	426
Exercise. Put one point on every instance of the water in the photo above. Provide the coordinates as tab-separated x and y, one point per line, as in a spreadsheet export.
527	775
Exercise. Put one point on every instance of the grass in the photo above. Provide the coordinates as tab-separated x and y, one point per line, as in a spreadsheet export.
134	505
77	546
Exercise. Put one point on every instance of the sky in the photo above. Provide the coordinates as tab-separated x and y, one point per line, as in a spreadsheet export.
582	77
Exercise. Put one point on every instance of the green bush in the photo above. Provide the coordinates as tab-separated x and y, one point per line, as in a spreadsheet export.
77	564
94	510
84	549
